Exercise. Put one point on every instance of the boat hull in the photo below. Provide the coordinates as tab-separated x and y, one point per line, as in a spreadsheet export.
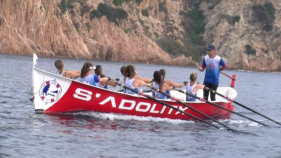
55	94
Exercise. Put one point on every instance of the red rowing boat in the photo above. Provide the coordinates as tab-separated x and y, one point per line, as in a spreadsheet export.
56	94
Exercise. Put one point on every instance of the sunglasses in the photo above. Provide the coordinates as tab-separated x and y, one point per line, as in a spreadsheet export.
92	68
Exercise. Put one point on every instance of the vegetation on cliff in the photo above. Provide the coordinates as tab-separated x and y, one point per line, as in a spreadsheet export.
265	15
194	27
112	14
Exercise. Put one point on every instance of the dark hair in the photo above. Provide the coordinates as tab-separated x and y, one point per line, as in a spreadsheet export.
98	70
122	70
130	71
102	76
59	64
162	73
157	77
85	69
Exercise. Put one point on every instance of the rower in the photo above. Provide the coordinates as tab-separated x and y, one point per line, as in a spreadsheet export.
122	70
61	70
192	87
169	82
87	74
162	85
101	80
131	81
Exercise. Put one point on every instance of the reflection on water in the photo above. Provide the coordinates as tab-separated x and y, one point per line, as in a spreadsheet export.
26	134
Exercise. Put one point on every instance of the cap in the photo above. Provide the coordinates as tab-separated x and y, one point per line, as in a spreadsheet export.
210	48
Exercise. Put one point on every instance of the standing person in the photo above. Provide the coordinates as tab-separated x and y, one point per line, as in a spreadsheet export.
192	87
61	70
213	65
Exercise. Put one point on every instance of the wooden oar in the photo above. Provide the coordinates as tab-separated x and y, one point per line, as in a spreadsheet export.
201	99
233	78
165	104
186	105
227	75
213	91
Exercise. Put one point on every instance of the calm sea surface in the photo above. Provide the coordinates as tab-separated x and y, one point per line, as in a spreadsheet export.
86	134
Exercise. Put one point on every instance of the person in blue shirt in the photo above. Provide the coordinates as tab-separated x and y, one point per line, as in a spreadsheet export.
87	74
213	65
99	78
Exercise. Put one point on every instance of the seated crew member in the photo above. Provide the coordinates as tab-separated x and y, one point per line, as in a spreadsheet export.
87	74
99	79
131	80
162	85
122	70
169	82
192	87
61	70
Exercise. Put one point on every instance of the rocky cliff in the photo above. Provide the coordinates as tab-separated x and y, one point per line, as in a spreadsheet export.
246	33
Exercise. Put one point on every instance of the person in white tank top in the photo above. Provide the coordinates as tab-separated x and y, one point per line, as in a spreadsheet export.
131	81
61	70
192	87
155	94
122	70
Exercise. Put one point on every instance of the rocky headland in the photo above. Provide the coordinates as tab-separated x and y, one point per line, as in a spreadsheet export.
175	32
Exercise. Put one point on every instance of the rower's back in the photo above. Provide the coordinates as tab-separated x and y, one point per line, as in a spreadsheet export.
129	83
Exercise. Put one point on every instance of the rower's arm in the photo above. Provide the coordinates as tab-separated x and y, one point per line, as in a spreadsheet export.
171	83
74	74
169	88
197	87
103	81
139	82
147	80
111	83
